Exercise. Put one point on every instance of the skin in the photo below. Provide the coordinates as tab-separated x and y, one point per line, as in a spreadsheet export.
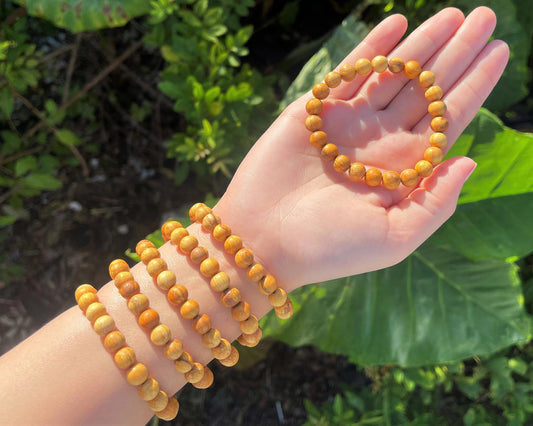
303	221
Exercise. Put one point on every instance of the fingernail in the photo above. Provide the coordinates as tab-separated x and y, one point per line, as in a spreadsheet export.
471	171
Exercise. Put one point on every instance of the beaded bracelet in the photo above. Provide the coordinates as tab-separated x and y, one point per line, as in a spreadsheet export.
357	171
164	407
174	232
198	375
178	295
244	259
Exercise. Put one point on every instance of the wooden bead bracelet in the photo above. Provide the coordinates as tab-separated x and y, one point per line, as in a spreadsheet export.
357	171
164	407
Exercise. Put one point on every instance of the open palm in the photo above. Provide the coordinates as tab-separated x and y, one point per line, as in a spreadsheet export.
308	222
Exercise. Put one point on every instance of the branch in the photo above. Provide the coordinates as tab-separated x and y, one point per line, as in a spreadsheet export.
70	69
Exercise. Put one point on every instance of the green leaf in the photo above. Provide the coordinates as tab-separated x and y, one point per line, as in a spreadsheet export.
24	165
6	101
213	16
41	181
212	94
7	220
10	142
67	137
169	54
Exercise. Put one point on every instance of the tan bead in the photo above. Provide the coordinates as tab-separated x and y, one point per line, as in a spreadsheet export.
321	90
231	297
177	235
170	411
116	266
168	227
189	309
149	389
86	299
211	338
166	279
255	272
241	311
434	93
220	281
209	267
267	285
231	359
347	72
244	258
138	303
380	63
373	177
209	221
123	277
318	139
148	319
437	108
438	139
149	254
251	340
285	311
409	177
222	350
156	266
198	255
363	66
357	171
232	244
104	325
201	212
424	168
183	363
341	163
206	381
439	124
137	374
143	245
173	349
412	69
177	295
113	341
434	155
249	325
426	79
159	402
201	324
329	152
396	65
333	79
278	298
82	289
195	374
221	232
129	289
125	358
192	211
160	335
313	123
188	244
314	106
94	311
391	180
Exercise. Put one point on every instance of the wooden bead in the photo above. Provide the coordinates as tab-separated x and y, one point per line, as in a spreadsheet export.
278	298
267	284
149	319
201	324
321	90
231	359
220	282
251	340
189	309
314	106
434	155
396	65
357	171
380	63
198	255
391	180
424	168
438	139
173	349
125	358
347	72
156	266
332	79
149	254
116	266
313	123
373	177
206	381
434	93
209	221
211	338
123	277
201	212
221	232
329	152
170	411
177	295
159	402
241	311
426	79
195	374
341	163
222	350
188	244
149	389
412	69
232	244
244	258
94	311
285	311
113	341
255	272
183	363
86	299
137	374
168	227
129	289
409	177
209	267
363	66
177	235
143	245
104	325
166	279
82	289
160	335
249	325
437	108
138	303
231	297
439	124
192	211
318	139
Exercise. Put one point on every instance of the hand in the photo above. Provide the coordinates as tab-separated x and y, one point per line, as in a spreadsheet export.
308	223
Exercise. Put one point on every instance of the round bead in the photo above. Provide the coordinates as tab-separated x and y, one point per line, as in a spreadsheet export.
318	139
222	350
251	340
113	341
332	79
149	319
231	359
189	309
192	211
424	168
177	295
267	284
86	299
159	402
232	244
437	108
438	139
244	258
278	298
125	358
255	272
137	374
434	93
149	389
143	245
149	254
341	163
156	266
82	289
177	235
168	227
188	244
314	106
138	303
380	63
396	65
201	212
206	381
183	363
391	180
211	338
160	335
439	124
313	122
201	324
170	411
426	79
220	282
209	267
104	325
221	232
198	255
116	266
434	155
249	325
166	279
209	221
123	277
94	311
241	311
347	72
173	349
285	311
373	177
321	90
231	297
357	171
412	69
363	66
195	374
409	177
128	289
329	152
